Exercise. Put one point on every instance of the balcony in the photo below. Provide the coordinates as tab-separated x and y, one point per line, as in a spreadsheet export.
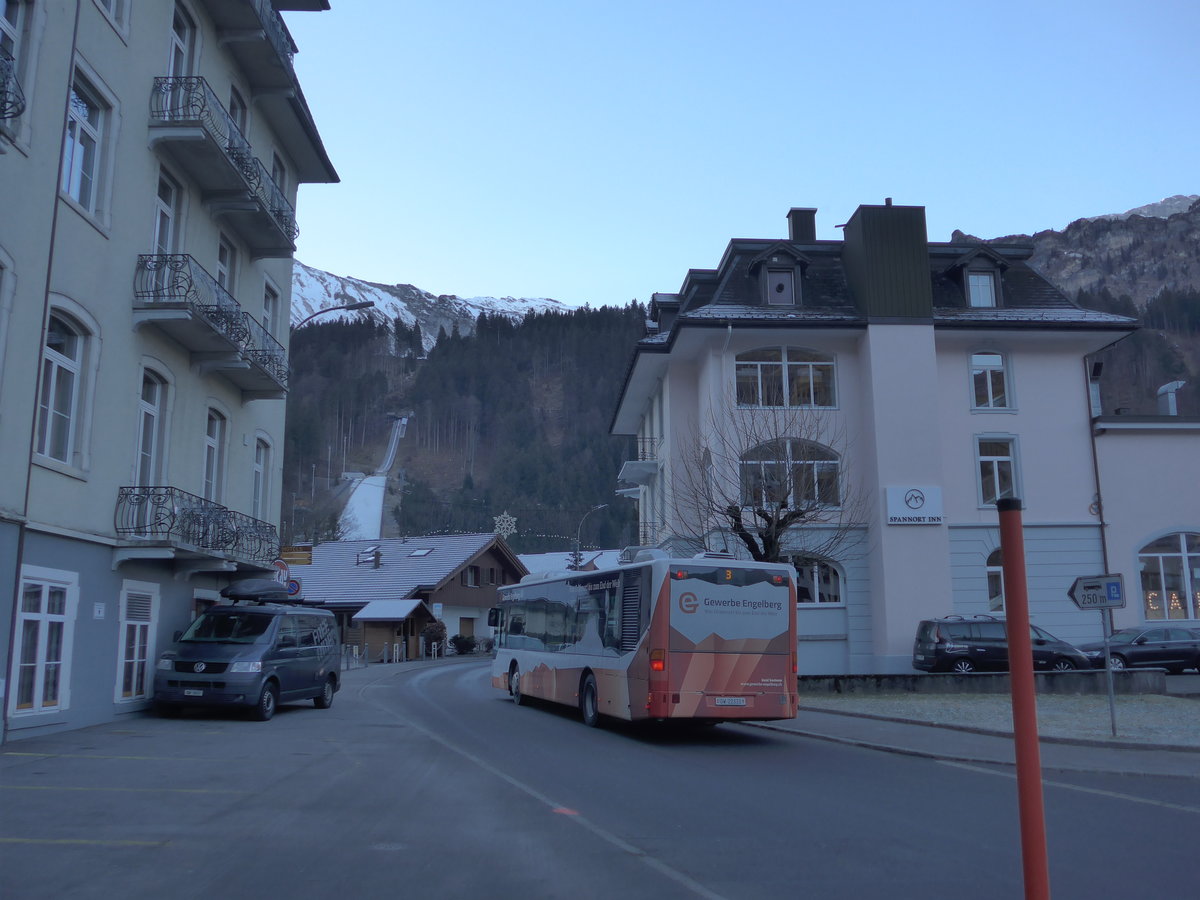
204	535
644	469
650	533
12	99
257	38
174	293
188	121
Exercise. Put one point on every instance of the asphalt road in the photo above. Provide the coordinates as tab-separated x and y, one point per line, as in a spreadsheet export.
426	782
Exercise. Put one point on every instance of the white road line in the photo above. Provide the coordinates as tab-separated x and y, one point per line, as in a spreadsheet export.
1115	795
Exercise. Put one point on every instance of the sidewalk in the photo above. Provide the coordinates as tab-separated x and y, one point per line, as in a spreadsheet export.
956	744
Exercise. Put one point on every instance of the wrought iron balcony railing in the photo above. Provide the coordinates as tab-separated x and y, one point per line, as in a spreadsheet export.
647	449
169	514
12	99
271	196
276	34
265	351
190	99
650	533
176	278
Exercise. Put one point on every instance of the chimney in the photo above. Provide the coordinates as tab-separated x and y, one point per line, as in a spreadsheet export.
802	225
1167	405
378	558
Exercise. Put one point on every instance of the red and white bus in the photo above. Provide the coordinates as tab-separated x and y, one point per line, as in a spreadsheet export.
710	638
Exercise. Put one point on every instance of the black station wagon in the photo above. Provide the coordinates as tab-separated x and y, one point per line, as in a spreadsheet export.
980	644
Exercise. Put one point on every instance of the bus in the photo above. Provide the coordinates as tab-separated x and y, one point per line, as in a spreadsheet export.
709	638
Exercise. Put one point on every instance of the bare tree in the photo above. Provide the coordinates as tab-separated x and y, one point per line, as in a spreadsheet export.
773	477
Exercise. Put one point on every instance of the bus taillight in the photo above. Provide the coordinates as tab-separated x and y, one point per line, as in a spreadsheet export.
658	660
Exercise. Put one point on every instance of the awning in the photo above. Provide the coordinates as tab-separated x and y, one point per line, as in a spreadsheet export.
387	610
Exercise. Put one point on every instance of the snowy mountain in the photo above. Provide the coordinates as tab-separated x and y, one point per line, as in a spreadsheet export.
314	289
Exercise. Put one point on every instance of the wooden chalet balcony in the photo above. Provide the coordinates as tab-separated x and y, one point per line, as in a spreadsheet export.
175	294
12	99
256	37
644	469
162	518
188	121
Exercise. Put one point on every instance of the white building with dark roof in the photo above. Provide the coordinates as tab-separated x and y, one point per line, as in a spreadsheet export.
890	390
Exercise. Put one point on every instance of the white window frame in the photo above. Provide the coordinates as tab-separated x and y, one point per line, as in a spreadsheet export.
56	367
239	111
47	579
1158	603
81	137
214	454
143	631
182	43
79	458
994	462
272	302
27	35
814	574
262	476
227	264
978	369
150	464
279	173
114	11
994	573
806	359
755	476
982	289
168	214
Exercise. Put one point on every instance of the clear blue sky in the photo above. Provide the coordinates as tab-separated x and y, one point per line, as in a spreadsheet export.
593	152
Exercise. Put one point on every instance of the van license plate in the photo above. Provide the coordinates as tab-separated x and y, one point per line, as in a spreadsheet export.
191	692
731	701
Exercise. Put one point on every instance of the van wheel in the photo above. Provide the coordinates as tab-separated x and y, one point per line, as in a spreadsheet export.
962	667
267	701
588	705
514	685
325	699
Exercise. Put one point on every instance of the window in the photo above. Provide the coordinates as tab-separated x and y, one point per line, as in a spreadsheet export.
59	403
989	382
1170	576
214	456
270	308
227	261
151	423
83	142
995	580
981	289
13	25
166	214
139	607
781	288
114	8
262	474
469	577
279	173
790	473
45	621
785	376
996	458
238	110
183	31
816	581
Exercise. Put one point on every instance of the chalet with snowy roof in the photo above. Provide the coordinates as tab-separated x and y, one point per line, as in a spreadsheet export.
385	592
888	390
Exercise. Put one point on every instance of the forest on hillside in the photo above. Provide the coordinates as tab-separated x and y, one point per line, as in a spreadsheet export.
511	418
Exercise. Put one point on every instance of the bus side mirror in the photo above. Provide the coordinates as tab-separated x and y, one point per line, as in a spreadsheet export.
494	617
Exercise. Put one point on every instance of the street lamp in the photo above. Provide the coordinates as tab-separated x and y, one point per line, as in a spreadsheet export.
365	304
578	560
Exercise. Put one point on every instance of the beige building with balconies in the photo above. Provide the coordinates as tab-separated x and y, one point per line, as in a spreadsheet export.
149	160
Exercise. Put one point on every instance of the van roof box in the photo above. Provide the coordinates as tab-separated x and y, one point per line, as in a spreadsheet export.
257	590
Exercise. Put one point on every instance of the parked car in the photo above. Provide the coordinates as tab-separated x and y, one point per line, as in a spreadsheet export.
1173	649
980	644
255	653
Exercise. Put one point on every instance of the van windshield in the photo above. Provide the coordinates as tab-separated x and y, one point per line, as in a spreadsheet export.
228	628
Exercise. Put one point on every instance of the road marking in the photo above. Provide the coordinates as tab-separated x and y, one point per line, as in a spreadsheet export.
91	843
101	756
1114	795
50	787
608	837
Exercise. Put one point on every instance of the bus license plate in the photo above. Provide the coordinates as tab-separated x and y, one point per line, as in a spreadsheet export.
730	701
191	692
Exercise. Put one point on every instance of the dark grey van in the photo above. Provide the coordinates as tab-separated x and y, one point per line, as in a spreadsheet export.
256	652
980	644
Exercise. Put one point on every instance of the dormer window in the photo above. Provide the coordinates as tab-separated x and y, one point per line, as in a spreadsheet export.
981	289
781	287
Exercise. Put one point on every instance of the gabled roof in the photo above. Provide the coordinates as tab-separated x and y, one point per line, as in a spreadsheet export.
975	253
343	573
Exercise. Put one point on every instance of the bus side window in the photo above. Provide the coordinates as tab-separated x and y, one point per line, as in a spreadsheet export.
612	619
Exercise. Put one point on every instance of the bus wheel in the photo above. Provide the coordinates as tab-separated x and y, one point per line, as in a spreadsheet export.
588	707
514	685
